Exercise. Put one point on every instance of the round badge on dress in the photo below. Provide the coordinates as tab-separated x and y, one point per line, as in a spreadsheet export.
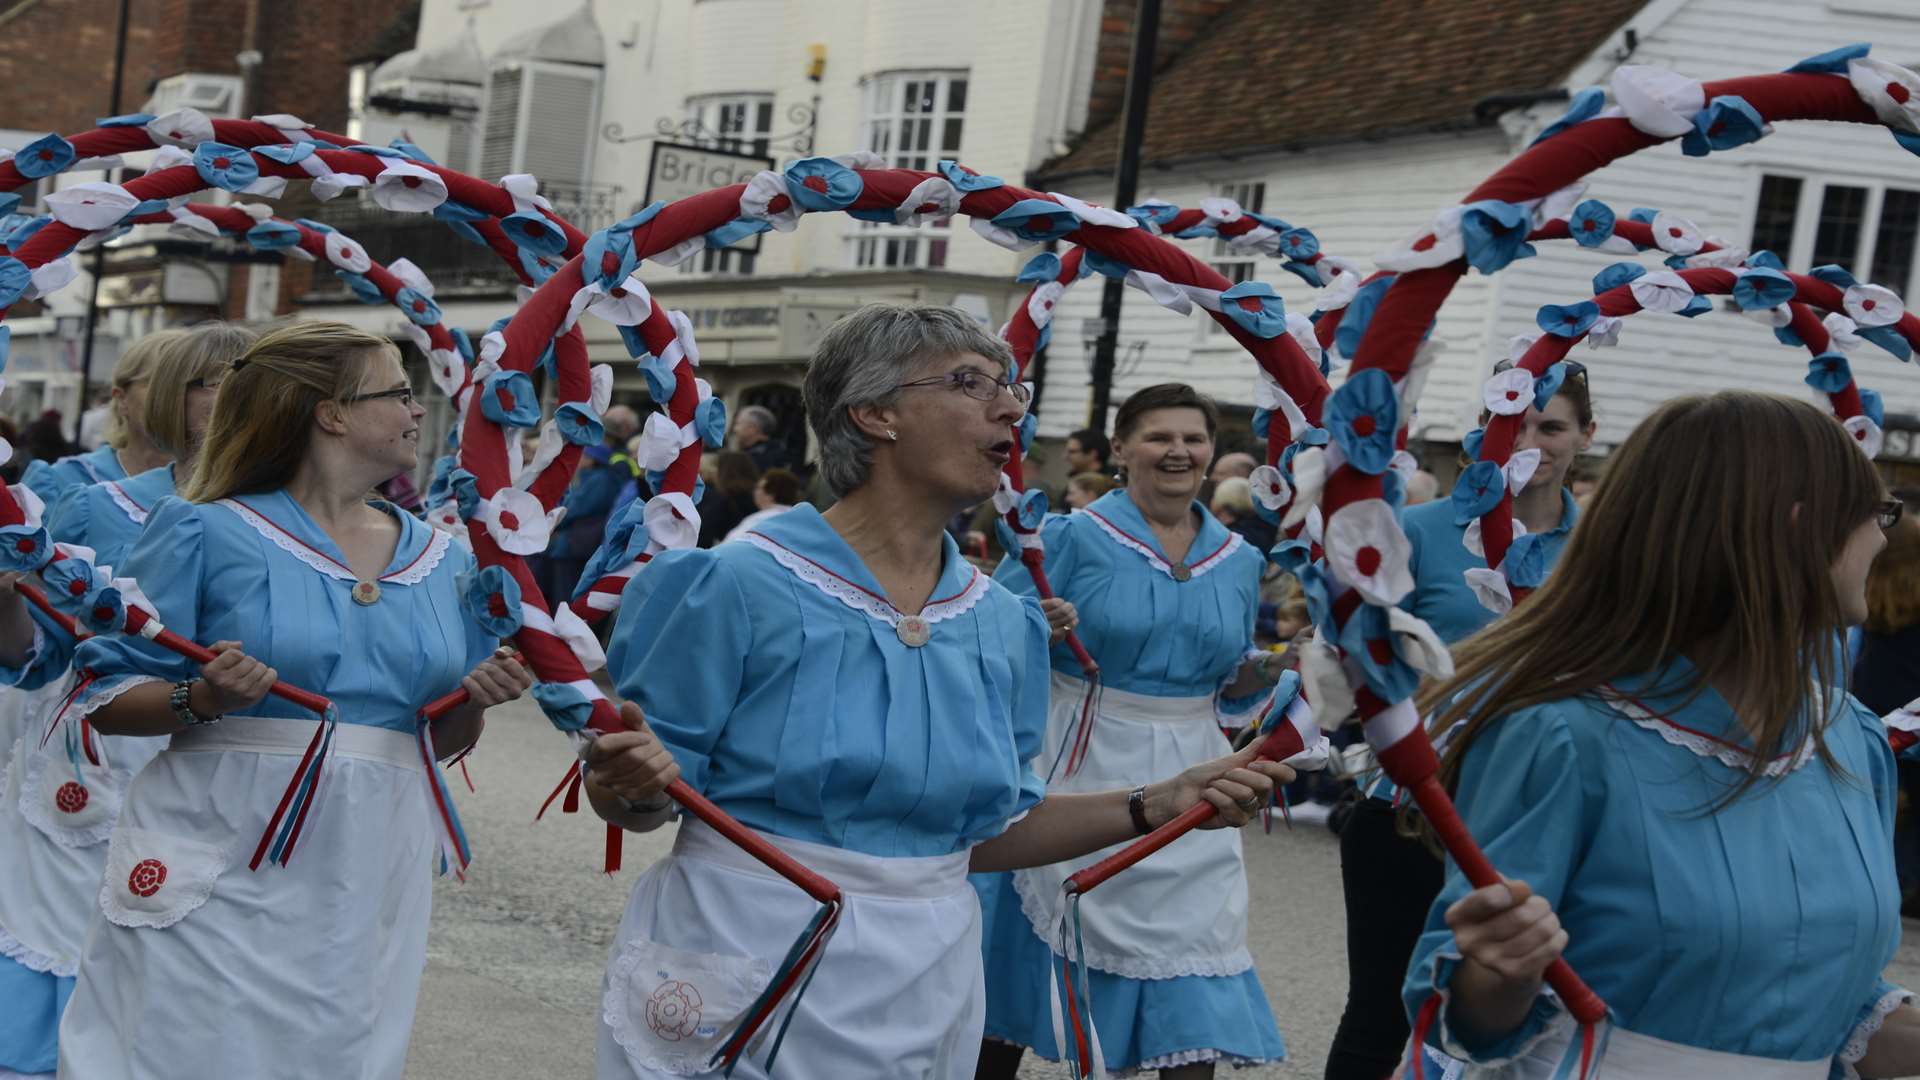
1180	571
366	592
913	631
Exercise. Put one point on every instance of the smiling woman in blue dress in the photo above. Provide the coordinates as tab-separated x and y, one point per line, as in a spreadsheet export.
1166	598
274	555
1655	747
852	688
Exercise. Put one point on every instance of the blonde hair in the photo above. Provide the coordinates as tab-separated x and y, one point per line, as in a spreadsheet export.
1093	483
202	352
1712	536
1235	494
135	365
263	419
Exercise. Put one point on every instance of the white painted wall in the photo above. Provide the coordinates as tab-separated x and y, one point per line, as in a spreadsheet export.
1358	198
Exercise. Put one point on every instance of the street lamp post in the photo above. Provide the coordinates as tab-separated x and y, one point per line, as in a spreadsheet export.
1146	32
98	269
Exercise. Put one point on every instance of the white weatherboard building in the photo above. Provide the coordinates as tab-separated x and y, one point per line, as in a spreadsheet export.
1813	192
583	94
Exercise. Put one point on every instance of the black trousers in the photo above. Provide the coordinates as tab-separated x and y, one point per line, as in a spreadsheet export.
1390	881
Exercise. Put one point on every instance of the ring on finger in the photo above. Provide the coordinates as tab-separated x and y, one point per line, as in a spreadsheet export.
1249	804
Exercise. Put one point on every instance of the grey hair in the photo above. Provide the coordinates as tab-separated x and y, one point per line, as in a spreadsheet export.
860	361
761	417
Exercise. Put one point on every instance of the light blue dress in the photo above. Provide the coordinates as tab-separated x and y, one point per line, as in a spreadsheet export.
323	954
1440	560
34	999
1761	928
789	701
780	678
108	516
51	479
1160	638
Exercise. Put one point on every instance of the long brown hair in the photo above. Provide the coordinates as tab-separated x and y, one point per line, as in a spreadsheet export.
1712	536
263	419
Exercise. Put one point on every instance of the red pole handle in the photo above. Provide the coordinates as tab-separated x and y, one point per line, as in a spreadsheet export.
1280	744
199	654
1579	998
1035	563
779	861
457	697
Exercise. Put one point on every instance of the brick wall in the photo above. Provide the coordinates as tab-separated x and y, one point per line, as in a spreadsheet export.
56	62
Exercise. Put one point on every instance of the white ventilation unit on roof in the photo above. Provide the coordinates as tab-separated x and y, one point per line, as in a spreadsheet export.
215	95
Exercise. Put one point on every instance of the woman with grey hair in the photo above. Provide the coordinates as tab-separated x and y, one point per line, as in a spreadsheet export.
851	688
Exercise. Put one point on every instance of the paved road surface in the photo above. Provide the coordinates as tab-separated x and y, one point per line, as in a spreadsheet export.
515	955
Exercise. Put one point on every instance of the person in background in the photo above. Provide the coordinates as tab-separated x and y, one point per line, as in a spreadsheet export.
753	431
1088	451
777	492
1422	487
129	451
1233	504
15	466
1085	487
1886	672
93	422
44	438
1389	877
729	496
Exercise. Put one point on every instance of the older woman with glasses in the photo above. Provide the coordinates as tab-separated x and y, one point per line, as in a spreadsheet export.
849	686
1390	878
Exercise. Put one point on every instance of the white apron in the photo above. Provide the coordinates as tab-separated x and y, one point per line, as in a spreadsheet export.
897	994
1641	1057
196	966
1181	911
54	827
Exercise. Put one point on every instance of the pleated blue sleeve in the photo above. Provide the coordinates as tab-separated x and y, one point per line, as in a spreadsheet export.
47	658
1523	797
71	516
169	562
1030	700
680	651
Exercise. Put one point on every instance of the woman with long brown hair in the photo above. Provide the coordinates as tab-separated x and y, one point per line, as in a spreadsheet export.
1657	749
274	554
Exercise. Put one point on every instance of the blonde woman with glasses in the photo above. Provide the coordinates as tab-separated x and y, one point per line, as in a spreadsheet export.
274	554
129	450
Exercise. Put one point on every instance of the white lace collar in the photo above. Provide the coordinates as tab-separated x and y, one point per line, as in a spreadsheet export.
1146	549
126	503
413	572
862	599
1701	743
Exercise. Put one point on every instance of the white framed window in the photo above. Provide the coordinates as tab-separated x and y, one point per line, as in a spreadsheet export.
1235	264
913	119
740	124
1869	227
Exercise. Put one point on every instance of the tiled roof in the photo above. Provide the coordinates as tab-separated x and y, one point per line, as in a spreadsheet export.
1271	76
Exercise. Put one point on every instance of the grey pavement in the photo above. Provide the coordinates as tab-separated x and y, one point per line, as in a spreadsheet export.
514	959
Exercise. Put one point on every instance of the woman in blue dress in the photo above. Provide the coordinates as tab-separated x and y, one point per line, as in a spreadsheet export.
1389	877
273	554
1657	749
128	450
850	687
59	807
1165	597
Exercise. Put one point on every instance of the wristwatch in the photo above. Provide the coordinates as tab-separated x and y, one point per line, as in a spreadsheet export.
1137	810
182	711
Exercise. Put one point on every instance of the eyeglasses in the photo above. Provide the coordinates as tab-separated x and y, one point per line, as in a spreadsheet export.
977	385
1888	512
404	394
206	384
